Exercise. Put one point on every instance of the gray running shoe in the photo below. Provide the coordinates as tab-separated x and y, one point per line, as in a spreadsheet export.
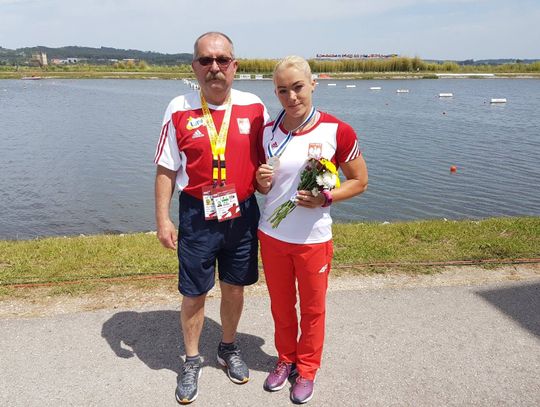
186	390
229	357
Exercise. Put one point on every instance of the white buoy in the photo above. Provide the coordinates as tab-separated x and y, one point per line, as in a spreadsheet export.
446	95
402	91
498	100
351	86
331	84
375	88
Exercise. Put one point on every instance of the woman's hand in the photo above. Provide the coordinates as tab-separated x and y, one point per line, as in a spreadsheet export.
308	200
264	176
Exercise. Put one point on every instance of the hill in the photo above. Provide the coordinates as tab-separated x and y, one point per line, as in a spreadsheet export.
108	55
102	55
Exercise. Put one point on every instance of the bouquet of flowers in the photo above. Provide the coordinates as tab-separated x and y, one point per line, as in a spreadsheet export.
318	174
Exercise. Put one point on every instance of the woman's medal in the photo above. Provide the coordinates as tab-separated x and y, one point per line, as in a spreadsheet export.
273	162
273	155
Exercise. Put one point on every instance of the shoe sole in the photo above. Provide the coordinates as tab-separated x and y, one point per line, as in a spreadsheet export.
224	364
185	401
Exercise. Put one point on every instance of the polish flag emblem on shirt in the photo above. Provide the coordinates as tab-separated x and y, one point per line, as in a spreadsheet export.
243	125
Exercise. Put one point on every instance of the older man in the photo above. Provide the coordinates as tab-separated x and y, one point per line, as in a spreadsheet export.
207	148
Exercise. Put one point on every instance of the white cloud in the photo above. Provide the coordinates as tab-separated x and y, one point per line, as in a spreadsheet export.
15	2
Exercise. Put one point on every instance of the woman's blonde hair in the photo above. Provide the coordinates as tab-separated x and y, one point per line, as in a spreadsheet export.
293	61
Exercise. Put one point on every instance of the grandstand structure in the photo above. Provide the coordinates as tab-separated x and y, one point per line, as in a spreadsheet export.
332	56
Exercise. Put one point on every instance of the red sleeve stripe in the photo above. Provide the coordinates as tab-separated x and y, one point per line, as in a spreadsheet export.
355	152
162	140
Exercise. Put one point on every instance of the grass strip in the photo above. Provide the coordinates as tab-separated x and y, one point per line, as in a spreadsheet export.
59	259
79	258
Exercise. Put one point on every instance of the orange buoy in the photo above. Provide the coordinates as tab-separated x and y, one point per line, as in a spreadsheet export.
453	168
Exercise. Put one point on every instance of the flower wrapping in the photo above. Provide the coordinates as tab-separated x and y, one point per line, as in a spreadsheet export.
317	175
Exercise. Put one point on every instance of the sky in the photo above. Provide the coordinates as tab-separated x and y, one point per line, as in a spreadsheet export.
429	29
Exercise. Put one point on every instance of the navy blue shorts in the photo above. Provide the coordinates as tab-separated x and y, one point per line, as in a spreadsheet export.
233	244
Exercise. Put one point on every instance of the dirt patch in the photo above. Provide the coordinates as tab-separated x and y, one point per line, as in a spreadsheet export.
38	302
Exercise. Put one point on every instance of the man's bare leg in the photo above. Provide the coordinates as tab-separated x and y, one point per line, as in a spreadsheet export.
232	302
192	320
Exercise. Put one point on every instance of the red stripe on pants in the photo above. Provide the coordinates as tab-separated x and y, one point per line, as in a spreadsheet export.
309	265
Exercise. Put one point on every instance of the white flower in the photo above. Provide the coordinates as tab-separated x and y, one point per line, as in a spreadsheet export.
319	180
329	180
315	191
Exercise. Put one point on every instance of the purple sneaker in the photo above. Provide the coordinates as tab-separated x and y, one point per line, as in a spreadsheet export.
302	390
278	377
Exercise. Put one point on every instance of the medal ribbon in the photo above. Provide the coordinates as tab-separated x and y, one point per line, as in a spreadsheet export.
218	142
281	147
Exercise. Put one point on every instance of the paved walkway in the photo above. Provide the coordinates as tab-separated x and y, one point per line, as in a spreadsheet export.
420	346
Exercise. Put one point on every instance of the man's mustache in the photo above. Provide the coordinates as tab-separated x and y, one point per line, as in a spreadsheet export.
219	75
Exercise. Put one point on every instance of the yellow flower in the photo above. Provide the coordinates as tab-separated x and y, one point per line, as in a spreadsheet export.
329	165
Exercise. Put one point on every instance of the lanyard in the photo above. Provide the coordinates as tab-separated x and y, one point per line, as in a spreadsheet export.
281	147
217	141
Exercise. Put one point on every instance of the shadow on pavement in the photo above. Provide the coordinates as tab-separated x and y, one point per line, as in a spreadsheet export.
521	303
155	338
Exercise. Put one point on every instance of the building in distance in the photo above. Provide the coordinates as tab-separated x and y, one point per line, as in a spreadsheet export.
355	56
39	59
66	61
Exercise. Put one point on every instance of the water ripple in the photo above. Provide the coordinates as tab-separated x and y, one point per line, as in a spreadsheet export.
83	164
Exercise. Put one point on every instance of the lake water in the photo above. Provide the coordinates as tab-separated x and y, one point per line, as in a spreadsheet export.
76	155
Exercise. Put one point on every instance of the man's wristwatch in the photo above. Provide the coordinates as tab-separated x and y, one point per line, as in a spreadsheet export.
327	198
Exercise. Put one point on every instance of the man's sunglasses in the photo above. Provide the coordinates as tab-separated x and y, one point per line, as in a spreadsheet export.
223	62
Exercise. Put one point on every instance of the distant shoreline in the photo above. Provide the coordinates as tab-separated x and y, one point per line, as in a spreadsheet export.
329	76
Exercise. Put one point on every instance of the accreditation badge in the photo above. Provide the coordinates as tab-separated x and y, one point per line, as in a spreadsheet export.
208	202
226	202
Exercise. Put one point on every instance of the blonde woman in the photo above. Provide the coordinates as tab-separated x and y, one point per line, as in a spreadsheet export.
298	252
